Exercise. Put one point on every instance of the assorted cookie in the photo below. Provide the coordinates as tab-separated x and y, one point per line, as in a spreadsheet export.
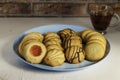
72	44
31	48
67	45
55	55
95	45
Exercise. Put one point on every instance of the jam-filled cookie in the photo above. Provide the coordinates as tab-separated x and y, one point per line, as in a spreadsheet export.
31	47
32	36
34	52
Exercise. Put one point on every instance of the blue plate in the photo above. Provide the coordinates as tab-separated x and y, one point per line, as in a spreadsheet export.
54	28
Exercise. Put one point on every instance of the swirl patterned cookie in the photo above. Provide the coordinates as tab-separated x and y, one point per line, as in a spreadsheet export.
55	55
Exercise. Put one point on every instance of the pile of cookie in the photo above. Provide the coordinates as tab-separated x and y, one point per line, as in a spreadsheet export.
55	55
95	44
72	44
63	46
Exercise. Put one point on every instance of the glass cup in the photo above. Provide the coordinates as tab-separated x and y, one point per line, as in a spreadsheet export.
101	16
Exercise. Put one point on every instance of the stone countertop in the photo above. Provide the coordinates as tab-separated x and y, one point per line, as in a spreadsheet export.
13	69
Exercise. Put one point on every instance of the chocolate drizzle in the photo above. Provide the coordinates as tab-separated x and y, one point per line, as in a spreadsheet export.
74	53
73	49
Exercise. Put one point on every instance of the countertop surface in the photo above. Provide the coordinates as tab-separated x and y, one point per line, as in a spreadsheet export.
13	69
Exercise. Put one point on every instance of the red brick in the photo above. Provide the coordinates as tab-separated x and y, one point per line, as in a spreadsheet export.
10	8
60	9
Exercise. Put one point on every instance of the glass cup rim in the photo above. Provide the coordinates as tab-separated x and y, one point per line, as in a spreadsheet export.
89	9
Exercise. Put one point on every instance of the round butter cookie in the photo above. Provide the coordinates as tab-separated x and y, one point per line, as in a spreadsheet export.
94	51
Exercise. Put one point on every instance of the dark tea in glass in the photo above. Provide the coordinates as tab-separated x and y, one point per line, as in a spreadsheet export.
101	16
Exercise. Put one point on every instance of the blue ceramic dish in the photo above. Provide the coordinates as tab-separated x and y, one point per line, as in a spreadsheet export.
54	28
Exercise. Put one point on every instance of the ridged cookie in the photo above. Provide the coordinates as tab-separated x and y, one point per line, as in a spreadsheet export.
74	54
94	45
54	57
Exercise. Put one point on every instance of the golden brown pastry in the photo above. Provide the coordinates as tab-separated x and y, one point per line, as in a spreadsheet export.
21	46
33	35
54	57
51	34
72	44
97	41
72	37
52	38
95	45
75	54
34	52
31	47
97	37
84	33
94	51
66	32
52	42
54	46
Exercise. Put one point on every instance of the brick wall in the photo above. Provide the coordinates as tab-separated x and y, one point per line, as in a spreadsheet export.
51	7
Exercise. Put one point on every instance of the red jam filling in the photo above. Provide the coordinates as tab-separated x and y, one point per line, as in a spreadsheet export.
36	50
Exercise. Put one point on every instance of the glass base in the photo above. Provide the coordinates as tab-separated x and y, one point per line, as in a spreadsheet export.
102	32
